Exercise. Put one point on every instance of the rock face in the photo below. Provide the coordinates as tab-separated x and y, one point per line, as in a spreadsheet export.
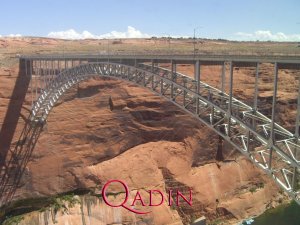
146	142
106	129
93	211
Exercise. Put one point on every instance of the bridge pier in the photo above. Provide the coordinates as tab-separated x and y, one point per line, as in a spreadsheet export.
173	74
197	78
223	78
219	155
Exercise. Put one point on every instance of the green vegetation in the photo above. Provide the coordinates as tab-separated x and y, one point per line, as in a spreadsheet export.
252	189
15	220
288	214
216	222
261	185
61	202
257	186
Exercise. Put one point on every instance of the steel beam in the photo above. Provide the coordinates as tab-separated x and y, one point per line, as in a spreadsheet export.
173	71
223	77
44	76
52	73
298	112
26	69
31	82
197	75
230	97
272	137
36	83
198	80
256	86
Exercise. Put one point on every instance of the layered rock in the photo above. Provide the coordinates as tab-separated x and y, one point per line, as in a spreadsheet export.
147	142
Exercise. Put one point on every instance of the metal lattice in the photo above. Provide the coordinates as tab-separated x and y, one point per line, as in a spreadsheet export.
248	130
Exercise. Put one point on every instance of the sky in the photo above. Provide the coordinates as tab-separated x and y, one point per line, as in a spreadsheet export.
275	20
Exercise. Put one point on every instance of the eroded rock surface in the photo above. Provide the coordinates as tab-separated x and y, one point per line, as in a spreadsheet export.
147	142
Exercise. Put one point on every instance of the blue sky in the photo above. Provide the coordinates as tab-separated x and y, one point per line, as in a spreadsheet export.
229	19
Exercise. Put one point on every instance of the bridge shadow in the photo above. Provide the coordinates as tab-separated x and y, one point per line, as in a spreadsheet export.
13	112
13	159
16	162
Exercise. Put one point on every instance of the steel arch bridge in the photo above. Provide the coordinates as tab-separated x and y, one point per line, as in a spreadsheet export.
268	145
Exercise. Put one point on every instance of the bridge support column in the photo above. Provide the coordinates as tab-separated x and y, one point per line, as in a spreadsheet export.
48	70
35	79
135	63
219	155
230	99
43	70
152	65
256	86
52	70
58	66
152	77
296	153
173	72
298	113
197	74
223	77
255	94
30	74
223	72
248	141
45	76
272	136
162	86
197	78
184	93
45	73
295	178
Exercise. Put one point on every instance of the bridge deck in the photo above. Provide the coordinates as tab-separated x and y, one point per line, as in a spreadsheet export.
294	59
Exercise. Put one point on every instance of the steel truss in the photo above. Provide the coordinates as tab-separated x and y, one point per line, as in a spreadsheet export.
268	145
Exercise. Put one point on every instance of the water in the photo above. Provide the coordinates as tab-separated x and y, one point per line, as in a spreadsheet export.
288	214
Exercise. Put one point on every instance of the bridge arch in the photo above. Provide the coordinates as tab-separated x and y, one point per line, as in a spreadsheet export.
70	77
224	114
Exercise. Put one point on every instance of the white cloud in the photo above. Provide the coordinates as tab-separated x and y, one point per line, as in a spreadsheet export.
266	35
72	34
11	35
130	33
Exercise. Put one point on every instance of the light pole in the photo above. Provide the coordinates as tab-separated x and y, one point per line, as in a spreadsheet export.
298	23
194	42
169	40
108	53
108	46
195	39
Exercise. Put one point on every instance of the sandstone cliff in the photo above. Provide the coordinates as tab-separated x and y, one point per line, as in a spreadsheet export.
149	143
